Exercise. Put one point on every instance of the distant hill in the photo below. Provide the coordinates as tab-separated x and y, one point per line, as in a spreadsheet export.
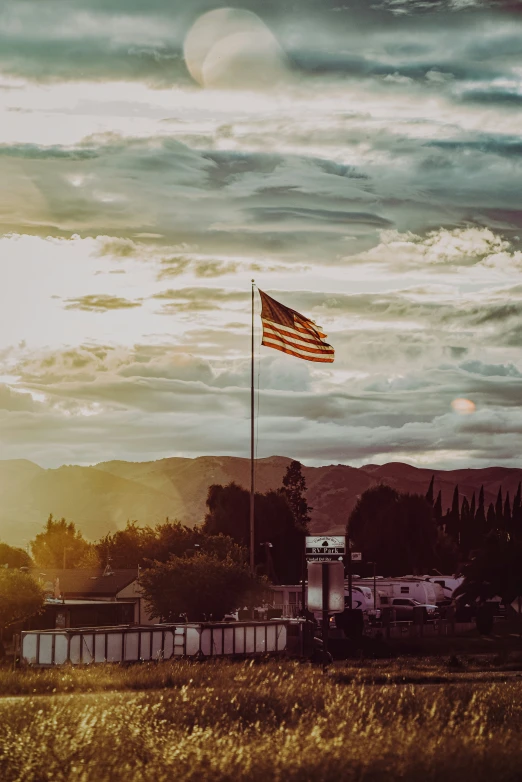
102	498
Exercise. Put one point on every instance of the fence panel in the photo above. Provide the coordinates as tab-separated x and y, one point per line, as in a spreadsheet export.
114	647
131	644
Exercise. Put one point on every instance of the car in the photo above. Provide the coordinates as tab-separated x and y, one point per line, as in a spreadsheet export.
404	608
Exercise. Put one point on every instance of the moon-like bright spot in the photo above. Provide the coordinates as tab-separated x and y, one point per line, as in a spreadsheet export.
463	406
231	47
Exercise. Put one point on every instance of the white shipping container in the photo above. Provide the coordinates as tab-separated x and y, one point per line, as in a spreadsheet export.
159	642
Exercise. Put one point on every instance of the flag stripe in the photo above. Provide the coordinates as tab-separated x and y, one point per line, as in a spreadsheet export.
291	329
323	358
308	326
292	336
271	341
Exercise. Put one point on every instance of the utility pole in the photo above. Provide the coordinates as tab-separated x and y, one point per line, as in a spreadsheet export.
252	411
374	585
325	617
303	576
350	585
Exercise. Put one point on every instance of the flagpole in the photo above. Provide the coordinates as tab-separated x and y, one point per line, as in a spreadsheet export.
252	545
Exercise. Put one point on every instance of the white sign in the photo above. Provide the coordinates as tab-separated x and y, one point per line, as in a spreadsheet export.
333	595
322	548
356	556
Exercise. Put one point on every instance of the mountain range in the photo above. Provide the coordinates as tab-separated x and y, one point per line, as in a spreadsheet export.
101	498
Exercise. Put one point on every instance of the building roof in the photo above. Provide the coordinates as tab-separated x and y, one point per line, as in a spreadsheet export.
83	582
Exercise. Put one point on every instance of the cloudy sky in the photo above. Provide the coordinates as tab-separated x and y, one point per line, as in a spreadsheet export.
361	161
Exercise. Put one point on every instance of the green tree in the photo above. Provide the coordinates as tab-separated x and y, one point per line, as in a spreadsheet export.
127	548
499	511
447	556
437	509
220	546
466	528
453	520
472	509
397	531
294	489
491	518
201	586
136	546
480	520
516	515
14	557
228	514
20	597
59	545
496	569
228	509
507	513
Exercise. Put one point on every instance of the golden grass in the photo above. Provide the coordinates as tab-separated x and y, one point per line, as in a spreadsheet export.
224	721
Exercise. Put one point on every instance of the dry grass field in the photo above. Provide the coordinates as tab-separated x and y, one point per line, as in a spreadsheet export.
402	720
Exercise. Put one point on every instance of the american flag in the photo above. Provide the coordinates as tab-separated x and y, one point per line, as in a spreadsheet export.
287	330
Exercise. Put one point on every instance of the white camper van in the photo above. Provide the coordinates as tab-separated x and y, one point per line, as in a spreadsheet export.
362	598
422	591
445	586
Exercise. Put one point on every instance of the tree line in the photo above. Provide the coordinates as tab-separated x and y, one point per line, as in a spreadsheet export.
201	572
468	523
410	534
184	569
282	517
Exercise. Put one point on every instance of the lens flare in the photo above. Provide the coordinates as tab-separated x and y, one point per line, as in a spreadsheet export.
463	406
233	48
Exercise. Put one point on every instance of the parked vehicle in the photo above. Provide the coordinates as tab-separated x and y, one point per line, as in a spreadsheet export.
445	586
407	586
362	598
404	608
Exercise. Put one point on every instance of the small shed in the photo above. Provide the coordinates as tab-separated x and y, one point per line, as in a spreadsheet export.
95	585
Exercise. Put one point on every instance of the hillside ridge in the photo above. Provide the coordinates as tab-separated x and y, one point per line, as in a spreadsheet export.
102	497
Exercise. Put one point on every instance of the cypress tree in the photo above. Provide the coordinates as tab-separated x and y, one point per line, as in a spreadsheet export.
429	493
481	497
437	509
475	527
294	489
465	527
499	510
507	513
516	514
517	499
472	508
453	527
491	518
455	503
480	519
